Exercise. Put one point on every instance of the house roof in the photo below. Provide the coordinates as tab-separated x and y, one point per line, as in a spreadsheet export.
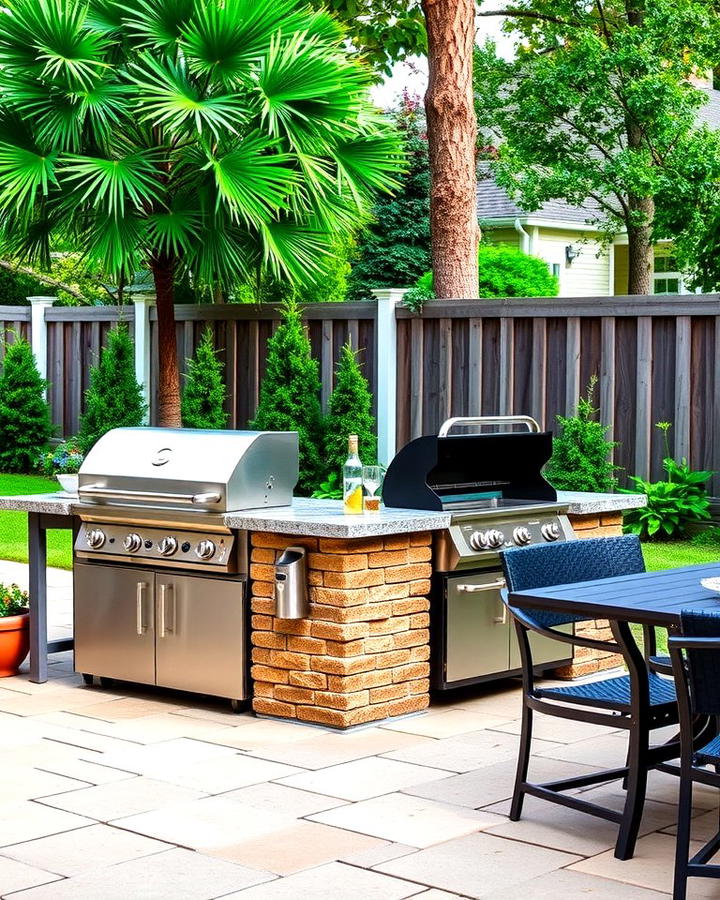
494	203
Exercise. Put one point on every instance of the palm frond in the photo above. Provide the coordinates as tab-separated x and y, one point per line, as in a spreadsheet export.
110	184
23	174
159	24
253	181
291	250
117	245
224	38
369	162
174	231
169	97
51	38
223	254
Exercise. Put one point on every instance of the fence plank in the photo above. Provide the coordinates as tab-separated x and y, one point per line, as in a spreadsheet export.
416	377
643	394
475	368
682	386
539	365
607	376
572	355
326	362
445	373
507	367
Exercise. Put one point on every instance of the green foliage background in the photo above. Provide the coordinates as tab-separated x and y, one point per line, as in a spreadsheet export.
114	398
203	396
25	427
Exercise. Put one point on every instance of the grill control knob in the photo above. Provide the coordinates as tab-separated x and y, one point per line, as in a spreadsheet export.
95	538
205	549
494	538
477	540
167	546
522	536
550	531
133	542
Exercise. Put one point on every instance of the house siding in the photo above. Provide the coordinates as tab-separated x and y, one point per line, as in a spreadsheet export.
589	273
501	236
621	269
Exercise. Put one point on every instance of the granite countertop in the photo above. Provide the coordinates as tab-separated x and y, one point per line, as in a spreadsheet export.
60	504
584	503
325	518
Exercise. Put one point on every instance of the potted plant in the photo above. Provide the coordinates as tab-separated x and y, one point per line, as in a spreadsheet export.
64	463
14	629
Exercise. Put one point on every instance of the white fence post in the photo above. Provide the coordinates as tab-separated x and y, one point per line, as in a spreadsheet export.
38	333
386	346
143	304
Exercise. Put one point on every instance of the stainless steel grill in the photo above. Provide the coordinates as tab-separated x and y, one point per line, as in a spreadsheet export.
160	579
492	485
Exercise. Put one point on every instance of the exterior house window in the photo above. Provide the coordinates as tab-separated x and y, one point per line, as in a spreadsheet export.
666	277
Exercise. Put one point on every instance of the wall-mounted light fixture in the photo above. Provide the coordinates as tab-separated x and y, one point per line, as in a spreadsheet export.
571	253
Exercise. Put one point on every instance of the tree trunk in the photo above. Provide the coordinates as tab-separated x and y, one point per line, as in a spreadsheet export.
163	269
452	132
640	247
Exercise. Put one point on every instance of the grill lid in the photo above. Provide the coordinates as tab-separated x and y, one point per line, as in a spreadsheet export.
470	471
171	468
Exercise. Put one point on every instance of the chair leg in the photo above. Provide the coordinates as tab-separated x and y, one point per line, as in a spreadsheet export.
523	762
638	759
682	845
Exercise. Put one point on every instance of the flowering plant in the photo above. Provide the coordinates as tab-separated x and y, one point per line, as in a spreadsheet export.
13	600
65	459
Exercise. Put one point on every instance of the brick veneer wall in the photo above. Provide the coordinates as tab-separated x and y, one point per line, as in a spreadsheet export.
363	653
586	660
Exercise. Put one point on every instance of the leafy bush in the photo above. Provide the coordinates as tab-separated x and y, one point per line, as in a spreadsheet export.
25	427
114	398
503	271
580	459
65	459
203	399
13	600
672	504
290	394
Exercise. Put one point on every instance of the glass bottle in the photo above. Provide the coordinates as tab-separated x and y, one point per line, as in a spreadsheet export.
352	479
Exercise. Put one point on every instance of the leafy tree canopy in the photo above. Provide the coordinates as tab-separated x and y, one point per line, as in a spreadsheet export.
383	31
599	104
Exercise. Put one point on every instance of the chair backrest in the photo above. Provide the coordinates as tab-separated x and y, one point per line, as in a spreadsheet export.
569	562
703	666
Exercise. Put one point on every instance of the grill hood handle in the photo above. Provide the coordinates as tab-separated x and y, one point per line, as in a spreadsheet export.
97	490
528	421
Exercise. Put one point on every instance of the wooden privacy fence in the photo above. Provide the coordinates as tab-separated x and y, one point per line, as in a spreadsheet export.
655	358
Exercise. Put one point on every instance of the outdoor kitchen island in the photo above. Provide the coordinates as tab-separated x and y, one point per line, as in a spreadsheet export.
363	652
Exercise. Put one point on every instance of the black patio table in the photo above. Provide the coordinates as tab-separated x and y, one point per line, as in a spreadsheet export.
649	598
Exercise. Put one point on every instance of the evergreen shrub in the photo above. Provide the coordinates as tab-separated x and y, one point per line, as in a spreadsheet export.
203	399
349	412
114	398
290	394
25	426
580	459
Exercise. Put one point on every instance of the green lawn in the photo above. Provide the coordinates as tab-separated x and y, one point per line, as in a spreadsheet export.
13	525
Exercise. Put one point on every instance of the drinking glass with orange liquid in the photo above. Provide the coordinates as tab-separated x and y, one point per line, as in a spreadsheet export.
372	482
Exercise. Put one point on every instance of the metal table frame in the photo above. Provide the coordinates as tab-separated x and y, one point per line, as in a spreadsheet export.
40	647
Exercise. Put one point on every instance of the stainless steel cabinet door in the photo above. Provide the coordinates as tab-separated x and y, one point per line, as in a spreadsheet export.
201	635
114	622
478	637
544	650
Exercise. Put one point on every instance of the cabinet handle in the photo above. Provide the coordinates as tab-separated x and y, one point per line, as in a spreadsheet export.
164	627
139	611
502	618
163	589
477	588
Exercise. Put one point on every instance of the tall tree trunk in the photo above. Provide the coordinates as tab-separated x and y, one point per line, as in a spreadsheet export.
640	247
163	269
452	131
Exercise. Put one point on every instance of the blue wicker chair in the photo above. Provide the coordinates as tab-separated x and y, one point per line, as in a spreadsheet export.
696	665
609	701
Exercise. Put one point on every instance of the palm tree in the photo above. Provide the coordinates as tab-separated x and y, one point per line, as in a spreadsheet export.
216	137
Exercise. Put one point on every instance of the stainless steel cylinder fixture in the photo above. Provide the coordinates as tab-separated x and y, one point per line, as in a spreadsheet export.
291	593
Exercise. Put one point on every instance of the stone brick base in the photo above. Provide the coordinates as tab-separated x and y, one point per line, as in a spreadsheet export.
586	660
363	653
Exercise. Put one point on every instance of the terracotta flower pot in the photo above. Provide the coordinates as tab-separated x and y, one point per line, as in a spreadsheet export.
14	642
